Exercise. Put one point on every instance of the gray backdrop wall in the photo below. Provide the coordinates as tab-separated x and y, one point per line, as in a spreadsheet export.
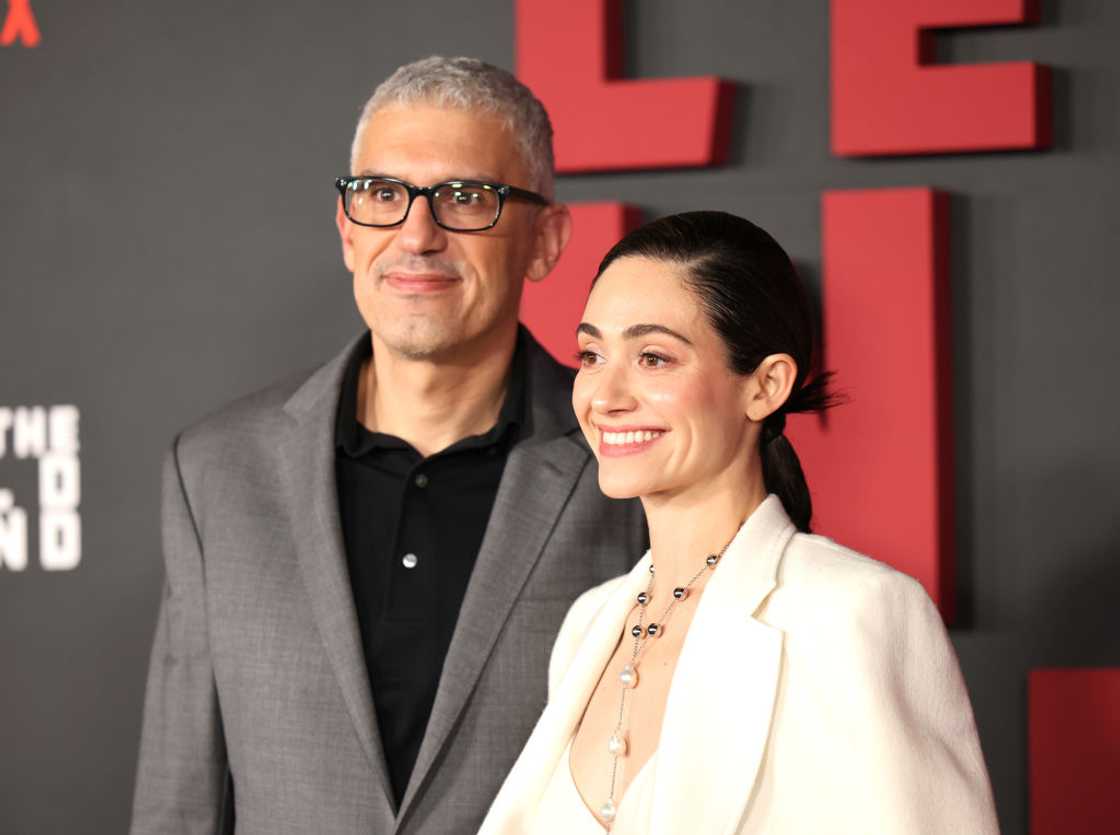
166	243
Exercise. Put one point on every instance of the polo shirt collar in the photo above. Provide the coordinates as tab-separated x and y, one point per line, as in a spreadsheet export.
355	440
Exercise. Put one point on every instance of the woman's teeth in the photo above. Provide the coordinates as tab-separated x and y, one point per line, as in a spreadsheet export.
620	438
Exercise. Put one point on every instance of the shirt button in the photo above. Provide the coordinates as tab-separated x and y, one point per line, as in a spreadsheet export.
410	560
421	480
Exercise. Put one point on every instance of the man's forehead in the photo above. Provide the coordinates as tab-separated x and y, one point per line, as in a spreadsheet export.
461	172
460	142
435	121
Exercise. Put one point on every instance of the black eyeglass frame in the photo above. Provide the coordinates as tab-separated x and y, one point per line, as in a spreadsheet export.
503	190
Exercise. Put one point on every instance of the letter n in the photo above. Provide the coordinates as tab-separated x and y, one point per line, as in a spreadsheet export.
881	466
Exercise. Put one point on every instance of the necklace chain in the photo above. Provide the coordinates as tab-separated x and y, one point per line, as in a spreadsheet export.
618	745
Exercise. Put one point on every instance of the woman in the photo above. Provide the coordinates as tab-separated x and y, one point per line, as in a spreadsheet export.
746	676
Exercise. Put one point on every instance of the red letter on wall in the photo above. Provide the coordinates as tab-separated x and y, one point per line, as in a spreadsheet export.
886	99
20	23
569	54
552	308
1074	751
881	465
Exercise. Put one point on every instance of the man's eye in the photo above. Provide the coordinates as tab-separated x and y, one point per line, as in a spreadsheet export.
466	198
385	195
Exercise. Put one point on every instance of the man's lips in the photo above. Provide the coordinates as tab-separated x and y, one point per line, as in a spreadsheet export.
420	282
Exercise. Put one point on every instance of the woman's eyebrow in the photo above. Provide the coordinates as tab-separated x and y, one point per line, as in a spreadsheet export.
633	332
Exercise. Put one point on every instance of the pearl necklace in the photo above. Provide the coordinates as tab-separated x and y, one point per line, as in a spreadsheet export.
619	744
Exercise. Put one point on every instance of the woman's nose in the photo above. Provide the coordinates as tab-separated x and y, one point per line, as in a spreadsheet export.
612	393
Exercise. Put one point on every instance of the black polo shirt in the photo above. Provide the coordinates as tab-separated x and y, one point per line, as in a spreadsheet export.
412	528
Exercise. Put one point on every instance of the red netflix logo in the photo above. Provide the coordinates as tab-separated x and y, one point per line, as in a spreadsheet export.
20	25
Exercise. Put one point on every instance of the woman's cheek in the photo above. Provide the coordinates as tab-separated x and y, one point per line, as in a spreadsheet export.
679	397
581	405
580	397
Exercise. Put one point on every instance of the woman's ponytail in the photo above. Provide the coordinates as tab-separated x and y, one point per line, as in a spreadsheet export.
781	468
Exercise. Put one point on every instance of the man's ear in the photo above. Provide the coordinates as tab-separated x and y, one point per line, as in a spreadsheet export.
345	231
772	383
552	229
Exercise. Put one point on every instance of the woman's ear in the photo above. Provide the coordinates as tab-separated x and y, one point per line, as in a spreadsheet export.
772	384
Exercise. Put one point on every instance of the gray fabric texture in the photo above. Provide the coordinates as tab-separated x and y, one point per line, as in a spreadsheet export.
258	715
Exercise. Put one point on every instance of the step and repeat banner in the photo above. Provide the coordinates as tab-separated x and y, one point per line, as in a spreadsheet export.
944	175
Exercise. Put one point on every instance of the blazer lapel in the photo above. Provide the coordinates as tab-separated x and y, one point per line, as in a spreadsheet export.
529	778
540	475
308	455
718	713
532	493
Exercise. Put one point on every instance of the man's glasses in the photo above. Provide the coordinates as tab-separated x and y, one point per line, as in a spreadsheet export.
457	205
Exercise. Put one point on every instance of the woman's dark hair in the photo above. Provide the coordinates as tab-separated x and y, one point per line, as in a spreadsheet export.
752	296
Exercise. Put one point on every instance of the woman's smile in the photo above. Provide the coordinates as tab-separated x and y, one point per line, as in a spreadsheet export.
627	440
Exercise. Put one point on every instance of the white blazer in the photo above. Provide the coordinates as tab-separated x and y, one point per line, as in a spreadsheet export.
816	693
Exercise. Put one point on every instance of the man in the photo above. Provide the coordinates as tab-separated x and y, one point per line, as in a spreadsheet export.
366	566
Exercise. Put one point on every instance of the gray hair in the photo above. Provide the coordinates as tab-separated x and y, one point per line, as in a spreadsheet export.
470	84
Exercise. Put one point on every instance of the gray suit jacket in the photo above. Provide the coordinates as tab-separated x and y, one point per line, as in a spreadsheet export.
258	716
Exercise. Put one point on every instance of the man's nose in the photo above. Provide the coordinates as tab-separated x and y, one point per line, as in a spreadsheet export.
419	233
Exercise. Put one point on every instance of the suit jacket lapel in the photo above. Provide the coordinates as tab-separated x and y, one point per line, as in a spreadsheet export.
308	455
516	804
539	477
718	714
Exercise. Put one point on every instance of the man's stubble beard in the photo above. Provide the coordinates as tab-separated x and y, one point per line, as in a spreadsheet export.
417	335
443	333
420	337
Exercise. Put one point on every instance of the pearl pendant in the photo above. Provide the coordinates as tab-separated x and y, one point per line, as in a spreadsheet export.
643	598
607	811
653	630
616	745
629	676
680	593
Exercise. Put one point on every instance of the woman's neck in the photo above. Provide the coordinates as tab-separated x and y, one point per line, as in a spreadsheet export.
684	528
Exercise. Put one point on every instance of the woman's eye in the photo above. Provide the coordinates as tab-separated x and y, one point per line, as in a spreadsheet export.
587	358
649	359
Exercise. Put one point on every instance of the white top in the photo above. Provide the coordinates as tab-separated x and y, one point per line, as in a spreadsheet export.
562	810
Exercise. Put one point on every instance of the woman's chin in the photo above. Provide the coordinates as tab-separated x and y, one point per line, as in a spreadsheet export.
623	488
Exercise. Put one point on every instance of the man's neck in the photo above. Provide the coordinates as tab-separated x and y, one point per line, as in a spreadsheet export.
431	404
